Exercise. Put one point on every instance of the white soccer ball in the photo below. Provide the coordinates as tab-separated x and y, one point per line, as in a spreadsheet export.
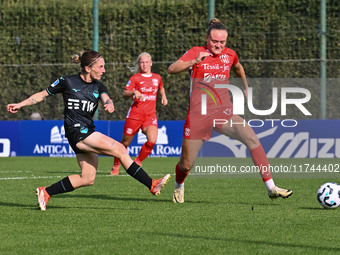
329	195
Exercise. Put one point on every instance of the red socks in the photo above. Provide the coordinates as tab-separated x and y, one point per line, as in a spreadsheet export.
180	176
116	162
145	150
259	158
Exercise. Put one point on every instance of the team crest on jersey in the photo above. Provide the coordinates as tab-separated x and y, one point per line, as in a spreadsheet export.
155	82
96	94
187	131
84	130
224	58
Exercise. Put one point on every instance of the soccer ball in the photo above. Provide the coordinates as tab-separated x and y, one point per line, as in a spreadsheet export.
329	195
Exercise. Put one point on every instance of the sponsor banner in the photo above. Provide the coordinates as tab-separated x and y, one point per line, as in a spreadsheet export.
44	138
47	138
282	139
116	129
9	139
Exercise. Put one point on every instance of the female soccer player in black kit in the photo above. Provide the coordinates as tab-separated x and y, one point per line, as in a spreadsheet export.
81	93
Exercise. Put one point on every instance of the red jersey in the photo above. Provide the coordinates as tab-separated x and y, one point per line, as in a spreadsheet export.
204	75
148	85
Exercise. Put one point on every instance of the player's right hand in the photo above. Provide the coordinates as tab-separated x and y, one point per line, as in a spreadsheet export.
13	108
139	95
201	56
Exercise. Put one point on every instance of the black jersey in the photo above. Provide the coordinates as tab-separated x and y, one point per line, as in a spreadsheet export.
80	99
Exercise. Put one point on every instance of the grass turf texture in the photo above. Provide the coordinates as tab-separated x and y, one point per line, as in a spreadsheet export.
118	215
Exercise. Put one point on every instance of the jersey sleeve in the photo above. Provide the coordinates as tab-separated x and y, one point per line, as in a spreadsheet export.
56	87
235	59
102	89
189	55
130	85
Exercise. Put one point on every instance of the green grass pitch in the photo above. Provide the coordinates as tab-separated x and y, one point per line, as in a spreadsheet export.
223	213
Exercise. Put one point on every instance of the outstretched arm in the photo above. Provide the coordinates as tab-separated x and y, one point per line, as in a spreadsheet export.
34	99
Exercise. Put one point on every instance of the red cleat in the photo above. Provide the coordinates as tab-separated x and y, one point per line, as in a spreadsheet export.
115	169
43	197
157	185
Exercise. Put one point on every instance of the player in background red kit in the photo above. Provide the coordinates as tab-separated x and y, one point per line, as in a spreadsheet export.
143	87
209	66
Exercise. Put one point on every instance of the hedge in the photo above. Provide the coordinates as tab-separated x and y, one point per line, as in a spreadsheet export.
273	39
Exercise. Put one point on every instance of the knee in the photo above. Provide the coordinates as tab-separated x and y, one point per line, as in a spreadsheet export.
88	181
121	151
125	142
152	140
252	141
184	166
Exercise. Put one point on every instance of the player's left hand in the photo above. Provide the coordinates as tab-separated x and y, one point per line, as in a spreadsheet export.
109	107
164	101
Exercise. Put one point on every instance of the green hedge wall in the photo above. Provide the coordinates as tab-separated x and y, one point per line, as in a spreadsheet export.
273	39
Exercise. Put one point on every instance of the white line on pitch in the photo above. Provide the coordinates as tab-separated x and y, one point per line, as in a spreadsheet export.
49	177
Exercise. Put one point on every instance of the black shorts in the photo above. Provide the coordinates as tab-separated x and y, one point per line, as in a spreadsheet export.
76	134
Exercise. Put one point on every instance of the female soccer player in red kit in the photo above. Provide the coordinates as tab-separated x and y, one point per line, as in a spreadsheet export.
143	87
210	66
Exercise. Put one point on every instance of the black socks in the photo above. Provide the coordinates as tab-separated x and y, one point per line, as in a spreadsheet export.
139	174
62	186
134	170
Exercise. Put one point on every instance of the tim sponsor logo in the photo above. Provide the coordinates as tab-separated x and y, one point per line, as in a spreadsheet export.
84	105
